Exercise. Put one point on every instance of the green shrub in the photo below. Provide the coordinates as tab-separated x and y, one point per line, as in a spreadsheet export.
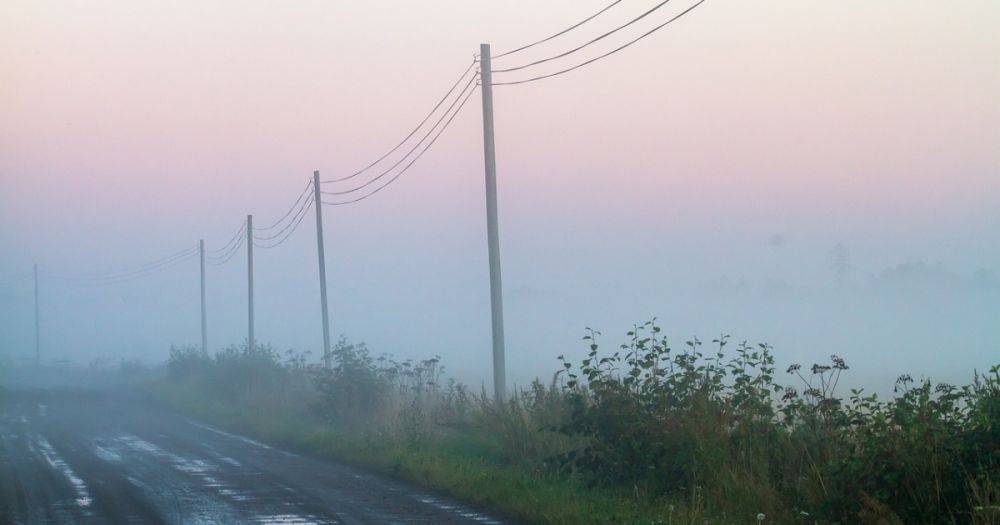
710	433
720	428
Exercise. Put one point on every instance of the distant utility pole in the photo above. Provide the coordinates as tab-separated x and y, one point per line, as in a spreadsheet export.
204	317
322	268
38	333
250	339
493	226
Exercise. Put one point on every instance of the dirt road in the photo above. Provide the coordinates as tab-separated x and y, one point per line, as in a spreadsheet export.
85	458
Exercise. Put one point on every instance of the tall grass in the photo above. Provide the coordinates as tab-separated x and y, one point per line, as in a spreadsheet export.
645	432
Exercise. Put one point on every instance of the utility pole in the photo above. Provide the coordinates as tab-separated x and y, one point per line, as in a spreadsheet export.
322	268
204	317
38	333
250	339
492	226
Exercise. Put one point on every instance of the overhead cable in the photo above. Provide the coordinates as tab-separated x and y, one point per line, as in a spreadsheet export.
136	276
414	148
305	204
415	159
410	135
219	261
295	225
289	212
236	236
582	46
127	274
609	53
563	32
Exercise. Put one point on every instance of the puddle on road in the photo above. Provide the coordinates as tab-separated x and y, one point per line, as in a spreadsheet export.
221	457
241	438
56	461
457	510
107	454
278	519
231	461
141	444
199	469
460	511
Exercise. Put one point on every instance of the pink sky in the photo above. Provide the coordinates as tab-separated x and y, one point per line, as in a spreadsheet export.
849	102
146	125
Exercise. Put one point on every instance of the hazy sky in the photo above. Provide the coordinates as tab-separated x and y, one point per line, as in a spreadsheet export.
701	176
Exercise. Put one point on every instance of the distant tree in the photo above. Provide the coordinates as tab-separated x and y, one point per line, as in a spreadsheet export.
917	275
840	261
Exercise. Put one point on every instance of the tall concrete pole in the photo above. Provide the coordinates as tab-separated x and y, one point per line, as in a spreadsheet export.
322	268
250	339
204	316
38	332
493	227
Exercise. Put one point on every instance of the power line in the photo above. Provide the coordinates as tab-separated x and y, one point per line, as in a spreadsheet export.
575	49
289	212
284	228
234	244
609	53
133	277
219	261
131	273
414	148
415	159
126	271
236	236
410	135
563	32
296	222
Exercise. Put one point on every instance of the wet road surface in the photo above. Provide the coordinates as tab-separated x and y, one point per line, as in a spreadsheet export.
95	459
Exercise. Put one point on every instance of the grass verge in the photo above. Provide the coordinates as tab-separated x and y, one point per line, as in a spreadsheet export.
462	466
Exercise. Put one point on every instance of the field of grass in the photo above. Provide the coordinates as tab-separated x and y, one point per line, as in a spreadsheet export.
642	434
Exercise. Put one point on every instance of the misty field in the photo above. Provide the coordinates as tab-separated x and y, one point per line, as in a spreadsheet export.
647	432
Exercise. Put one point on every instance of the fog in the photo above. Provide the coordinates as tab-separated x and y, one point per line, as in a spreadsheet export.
843	200
807	299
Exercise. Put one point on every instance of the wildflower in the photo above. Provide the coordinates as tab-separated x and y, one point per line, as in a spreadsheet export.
760	517
790	393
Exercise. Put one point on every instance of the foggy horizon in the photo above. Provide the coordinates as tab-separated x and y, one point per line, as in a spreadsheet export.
703	178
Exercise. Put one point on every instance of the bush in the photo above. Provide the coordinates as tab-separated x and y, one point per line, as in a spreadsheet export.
185	362
721	428
243	376
710	430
